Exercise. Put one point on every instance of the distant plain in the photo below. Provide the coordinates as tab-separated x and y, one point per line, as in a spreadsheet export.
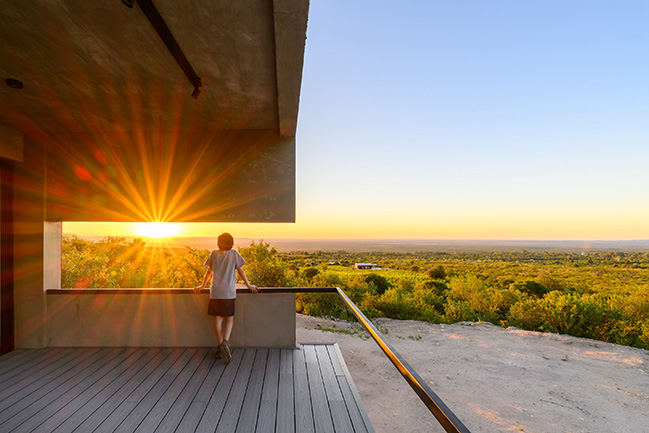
410	245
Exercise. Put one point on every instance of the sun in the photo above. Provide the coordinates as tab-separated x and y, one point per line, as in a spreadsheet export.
157	230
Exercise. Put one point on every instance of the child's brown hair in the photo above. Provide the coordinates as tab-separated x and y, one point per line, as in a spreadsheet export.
225	242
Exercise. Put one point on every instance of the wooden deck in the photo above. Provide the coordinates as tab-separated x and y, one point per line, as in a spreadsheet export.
65	390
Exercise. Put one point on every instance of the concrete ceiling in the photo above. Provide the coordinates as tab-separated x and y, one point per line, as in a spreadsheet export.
100	66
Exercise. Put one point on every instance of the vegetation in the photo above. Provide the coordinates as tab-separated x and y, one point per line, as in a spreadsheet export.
123	262
602	295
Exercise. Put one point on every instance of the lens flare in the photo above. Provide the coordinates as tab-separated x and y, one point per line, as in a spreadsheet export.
157	230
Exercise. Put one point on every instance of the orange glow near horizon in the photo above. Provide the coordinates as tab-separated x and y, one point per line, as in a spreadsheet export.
157	230
461	228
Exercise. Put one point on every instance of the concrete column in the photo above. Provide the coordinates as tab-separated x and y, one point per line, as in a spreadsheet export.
29	297
52	251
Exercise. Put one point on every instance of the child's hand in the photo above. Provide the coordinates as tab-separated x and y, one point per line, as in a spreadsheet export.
198	289
253	289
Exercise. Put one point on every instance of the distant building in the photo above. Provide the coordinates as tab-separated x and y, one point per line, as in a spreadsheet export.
365	266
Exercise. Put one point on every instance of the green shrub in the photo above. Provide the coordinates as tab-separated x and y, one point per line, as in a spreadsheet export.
588	316
470	298
378	282
263	267
437	273
310	272
322	304
532	288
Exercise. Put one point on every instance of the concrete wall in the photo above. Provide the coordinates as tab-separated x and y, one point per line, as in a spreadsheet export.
165	319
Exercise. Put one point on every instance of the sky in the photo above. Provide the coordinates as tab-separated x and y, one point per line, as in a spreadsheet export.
468	120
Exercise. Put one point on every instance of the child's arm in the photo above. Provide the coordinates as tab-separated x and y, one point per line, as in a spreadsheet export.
242	274
208	274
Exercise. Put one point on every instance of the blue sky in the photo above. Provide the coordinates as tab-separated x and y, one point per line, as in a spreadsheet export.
475	119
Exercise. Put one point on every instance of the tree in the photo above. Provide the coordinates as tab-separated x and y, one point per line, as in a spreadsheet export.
186	269
263	265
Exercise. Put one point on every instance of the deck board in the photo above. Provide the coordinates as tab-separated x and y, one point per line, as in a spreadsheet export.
268	405
174	416
22	377
234	400
250	409
91	398
109	412
337	407
19	360
306	389
321	414
142	401
303	411
95	410
38	394
214	408
166	400
285	401
197	408
359	417
74	396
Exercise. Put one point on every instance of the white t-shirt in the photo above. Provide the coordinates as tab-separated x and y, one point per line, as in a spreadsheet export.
224	265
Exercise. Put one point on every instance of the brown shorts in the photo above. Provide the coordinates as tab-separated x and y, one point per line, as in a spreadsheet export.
221	307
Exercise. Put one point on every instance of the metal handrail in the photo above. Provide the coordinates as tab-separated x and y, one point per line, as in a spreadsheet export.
438	408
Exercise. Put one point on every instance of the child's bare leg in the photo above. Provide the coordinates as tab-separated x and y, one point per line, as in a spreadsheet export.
227	327
218	324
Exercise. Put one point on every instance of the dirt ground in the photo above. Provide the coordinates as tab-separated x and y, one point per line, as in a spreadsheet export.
493	379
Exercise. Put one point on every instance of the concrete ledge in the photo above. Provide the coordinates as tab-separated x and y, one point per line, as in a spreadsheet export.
164	318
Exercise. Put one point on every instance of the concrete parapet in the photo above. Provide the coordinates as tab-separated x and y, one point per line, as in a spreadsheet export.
157	318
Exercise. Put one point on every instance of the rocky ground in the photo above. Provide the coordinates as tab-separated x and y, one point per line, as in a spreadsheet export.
493	379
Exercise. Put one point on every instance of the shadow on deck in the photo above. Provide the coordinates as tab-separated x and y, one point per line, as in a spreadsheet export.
307	389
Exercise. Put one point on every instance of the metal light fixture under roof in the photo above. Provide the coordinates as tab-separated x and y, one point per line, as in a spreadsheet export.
14	84
159	25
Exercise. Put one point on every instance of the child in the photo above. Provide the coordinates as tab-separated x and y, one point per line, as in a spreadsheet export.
221	266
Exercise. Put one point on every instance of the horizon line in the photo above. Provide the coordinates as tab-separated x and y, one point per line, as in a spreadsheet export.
388	238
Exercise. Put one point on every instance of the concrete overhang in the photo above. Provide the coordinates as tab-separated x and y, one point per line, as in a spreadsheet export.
92	64
97	78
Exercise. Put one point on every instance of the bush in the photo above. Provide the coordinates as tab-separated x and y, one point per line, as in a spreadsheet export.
378	282
263	267
392	304
437	287
322	304
588	316
532	288
470	298
437	273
